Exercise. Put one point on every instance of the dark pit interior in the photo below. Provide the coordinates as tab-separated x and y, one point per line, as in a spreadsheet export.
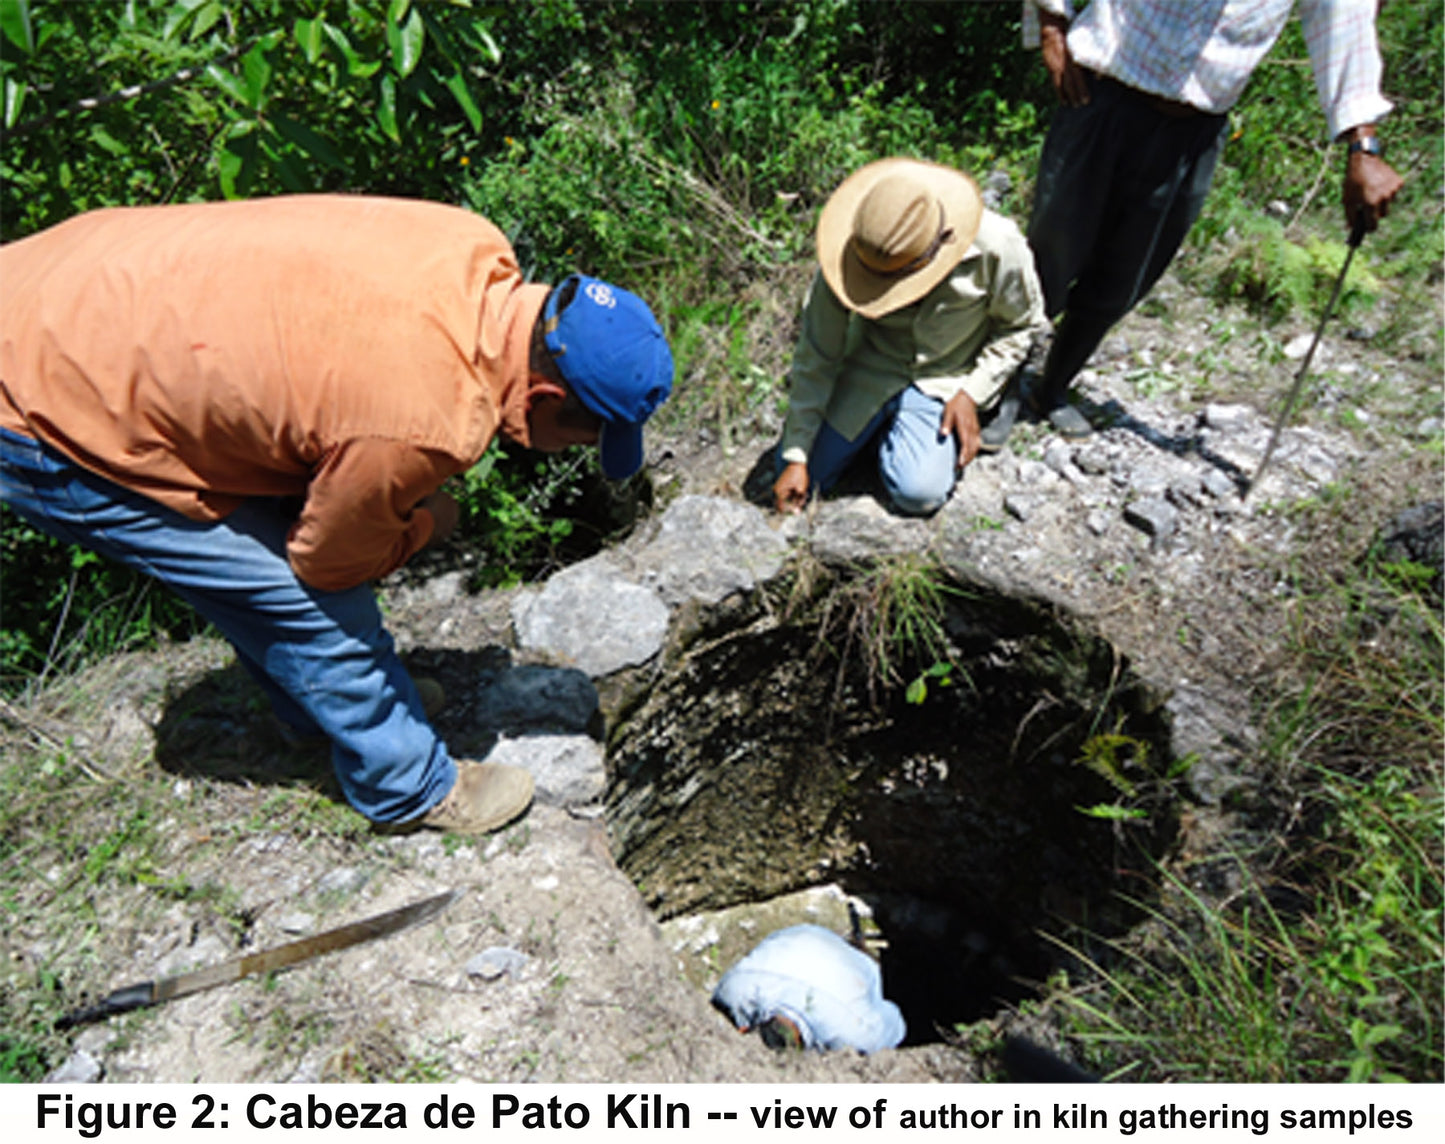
770	757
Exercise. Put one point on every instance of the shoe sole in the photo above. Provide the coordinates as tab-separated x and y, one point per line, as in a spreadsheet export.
485	826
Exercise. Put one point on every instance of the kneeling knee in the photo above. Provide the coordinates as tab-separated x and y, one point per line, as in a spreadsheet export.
919	498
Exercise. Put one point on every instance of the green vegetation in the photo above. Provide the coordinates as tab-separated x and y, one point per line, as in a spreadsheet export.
684	150
1278	276
1127	764
1319	956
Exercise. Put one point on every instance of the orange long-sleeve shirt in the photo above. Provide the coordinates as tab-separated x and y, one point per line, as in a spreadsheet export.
351	351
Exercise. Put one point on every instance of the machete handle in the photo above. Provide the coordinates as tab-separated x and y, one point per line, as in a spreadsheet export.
121	1001
1359	226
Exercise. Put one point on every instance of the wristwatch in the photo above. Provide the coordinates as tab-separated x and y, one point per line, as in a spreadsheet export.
1368	144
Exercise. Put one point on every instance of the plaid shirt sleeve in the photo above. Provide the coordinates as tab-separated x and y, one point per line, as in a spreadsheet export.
1345	54
1200	55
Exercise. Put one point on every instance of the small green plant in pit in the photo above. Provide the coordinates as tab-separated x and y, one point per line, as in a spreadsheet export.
1110	754
1126	764
939	675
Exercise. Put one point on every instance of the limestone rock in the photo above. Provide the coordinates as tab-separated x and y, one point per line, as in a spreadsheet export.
592	617
527	698
568	769
707	548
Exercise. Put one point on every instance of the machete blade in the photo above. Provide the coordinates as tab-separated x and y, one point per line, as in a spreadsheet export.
264	961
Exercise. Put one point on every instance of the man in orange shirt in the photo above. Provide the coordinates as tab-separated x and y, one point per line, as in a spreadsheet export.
175	380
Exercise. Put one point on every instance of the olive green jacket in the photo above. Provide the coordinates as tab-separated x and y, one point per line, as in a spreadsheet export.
969	334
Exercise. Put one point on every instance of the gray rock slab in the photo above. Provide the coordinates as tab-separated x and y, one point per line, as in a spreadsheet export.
1186	490
1059	455
296	922
1317	465
568	769
707	548
536	697
1022	506
1229	418
207	950
1153	516
859	528
79	1068
1150	480
1219	484
1036	475
592	617
495	961
1096	457
1208	729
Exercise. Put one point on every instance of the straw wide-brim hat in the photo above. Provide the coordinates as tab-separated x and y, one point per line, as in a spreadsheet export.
893	230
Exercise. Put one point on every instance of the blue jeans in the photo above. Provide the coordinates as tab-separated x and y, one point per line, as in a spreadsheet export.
323	658
917	463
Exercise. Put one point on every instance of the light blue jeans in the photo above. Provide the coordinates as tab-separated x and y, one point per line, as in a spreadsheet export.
917	463
323	658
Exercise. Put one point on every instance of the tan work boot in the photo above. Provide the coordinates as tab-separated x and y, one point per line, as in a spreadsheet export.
486	797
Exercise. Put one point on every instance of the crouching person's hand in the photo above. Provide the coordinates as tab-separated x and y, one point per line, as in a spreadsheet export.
960	417
790	491
444	514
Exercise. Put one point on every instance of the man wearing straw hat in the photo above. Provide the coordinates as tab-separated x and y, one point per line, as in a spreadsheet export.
924	305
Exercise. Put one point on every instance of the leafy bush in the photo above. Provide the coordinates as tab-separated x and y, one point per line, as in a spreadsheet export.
501	506
1279	277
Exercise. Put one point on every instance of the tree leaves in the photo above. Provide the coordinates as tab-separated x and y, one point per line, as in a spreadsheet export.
406	39
15	23
311	37
221	98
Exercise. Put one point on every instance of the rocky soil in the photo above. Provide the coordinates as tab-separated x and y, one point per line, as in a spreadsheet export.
552	966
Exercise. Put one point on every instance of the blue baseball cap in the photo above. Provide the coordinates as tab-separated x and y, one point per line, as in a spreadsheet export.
613	355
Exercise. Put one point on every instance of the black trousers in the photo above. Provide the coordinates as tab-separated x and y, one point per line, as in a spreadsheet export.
1120	182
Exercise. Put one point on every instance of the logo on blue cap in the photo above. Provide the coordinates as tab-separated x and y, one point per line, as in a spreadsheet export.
613	355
